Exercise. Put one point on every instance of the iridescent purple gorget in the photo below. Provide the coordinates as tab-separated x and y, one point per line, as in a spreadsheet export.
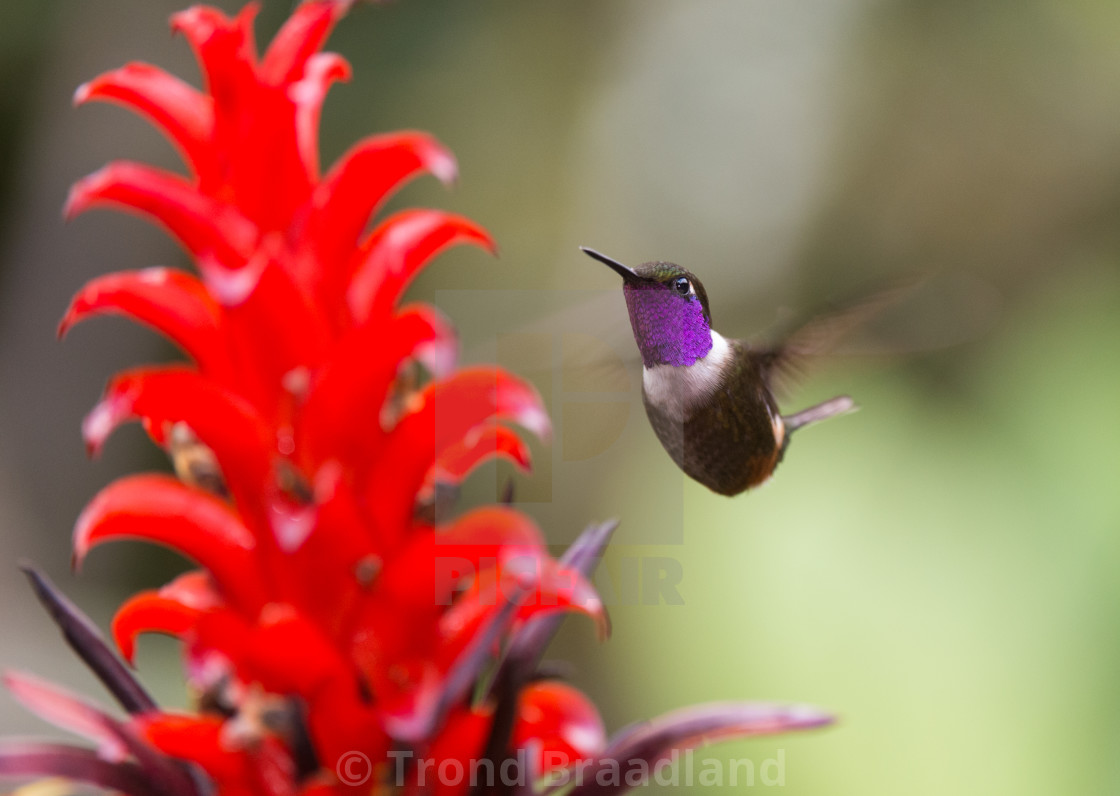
669	329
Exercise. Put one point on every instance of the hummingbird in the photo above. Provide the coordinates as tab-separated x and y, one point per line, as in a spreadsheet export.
710	400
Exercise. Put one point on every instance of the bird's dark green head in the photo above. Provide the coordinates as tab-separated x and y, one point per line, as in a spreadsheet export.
668	311
678	279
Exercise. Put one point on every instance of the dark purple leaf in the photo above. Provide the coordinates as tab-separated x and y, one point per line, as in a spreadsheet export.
641	747
86	640
115	739
41	759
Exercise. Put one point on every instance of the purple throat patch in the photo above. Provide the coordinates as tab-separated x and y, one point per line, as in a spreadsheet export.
669	329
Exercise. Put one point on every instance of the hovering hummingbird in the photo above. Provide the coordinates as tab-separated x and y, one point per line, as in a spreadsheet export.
709	399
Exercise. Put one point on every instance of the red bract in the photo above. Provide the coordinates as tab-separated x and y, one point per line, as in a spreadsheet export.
315	587
338	619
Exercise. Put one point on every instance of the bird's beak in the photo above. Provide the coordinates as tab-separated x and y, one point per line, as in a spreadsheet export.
628	274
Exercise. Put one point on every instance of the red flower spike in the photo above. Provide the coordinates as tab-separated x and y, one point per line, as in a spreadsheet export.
159	509
182	112
321	428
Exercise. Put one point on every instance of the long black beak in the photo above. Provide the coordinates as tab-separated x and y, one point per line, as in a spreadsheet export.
624	271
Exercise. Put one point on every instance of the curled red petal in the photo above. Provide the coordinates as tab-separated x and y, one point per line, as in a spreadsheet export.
229	425
449	410
181	111
160	509
202	224
301	36
398	249
170	301
150	612
363	178
479	445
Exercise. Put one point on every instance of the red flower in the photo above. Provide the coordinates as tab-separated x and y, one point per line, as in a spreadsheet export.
338	616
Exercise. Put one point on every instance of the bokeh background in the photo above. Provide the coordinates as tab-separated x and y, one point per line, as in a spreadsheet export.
941	569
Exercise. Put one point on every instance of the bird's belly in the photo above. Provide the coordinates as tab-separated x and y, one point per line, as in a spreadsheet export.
726	442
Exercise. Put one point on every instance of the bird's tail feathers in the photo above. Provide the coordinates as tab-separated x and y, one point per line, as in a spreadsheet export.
841	404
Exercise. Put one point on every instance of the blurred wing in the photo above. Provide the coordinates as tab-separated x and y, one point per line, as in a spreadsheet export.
922	314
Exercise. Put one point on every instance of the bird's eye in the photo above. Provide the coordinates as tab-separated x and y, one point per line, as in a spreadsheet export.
681	285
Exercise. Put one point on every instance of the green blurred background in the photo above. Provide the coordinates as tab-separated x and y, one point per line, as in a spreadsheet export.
942	569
